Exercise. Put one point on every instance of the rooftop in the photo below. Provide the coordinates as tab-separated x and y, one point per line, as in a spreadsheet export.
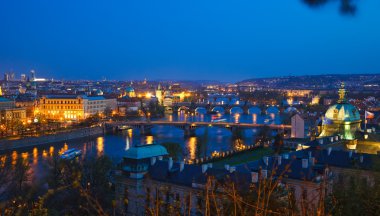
145	151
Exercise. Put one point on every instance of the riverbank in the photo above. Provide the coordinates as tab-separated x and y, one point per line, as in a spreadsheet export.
58	137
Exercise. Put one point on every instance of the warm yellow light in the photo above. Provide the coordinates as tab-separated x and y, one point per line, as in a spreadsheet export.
192	146
149	139
148	95
100	145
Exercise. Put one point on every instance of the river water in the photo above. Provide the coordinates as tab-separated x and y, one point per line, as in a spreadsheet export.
115	145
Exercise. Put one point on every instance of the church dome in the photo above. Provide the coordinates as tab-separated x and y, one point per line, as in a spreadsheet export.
343	112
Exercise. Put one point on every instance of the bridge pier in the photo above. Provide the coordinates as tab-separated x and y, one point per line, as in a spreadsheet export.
189	131
145	130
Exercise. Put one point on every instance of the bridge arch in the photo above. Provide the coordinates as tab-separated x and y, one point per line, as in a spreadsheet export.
168	109
273	110
183	108
291	110
236	110
218	109
200	110
254	110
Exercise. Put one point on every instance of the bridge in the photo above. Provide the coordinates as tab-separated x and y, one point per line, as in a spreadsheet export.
242	108
190	127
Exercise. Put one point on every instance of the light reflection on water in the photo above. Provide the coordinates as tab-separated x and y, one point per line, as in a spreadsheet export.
191	146
149	139
100	146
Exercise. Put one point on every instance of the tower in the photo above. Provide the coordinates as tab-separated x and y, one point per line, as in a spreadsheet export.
159	94
32	75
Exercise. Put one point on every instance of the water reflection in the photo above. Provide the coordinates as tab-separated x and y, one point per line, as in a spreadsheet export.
24	155
35	155
128	139
44	154
14	157
149	139
100	145
3	159
51	151
254	118
192	147
236	118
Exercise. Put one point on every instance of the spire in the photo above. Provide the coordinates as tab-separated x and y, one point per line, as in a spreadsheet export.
342	93
159	86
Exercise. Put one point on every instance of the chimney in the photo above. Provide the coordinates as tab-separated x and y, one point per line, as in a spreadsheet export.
204	168
361	158
160	157
305	163
350	154
254	177
279	159
152	161
266	160
264	173
329	150
170	163
181	166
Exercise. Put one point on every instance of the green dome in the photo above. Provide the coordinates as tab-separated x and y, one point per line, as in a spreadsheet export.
343	112
129	89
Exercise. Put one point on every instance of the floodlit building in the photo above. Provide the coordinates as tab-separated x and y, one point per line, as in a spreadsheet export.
9	116
298	126
72	107
341	118
99	104
61	107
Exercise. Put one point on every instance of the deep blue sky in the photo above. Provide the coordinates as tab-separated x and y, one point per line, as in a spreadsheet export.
187	39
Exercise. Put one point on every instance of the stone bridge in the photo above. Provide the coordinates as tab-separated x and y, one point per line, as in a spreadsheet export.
190	127
224	108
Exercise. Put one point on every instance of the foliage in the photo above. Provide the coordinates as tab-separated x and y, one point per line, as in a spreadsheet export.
355	195
108	111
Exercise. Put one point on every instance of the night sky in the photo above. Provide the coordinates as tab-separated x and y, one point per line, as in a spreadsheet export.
187	39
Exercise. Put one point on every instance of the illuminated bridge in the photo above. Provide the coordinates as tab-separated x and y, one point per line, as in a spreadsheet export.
190	127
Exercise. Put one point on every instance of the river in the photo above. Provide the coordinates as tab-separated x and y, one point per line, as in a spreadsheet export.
114	145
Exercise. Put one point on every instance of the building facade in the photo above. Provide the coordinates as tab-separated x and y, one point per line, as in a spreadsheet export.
61	107
72	107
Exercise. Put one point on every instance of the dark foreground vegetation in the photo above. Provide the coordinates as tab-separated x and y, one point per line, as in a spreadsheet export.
85	188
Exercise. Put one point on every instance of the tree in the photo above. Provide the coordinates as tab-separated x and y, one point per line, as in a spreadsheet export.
107	111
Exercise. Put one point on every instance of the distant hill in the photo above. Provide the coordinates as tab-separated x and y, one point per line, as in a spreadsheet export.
326	81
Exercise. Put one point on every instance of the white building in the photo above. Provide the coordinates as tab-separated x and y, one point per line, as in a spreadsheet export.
98	104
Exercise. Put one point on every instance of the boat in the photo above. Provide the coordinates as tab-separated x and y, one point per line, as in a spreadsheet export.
123	127
219	120
71	154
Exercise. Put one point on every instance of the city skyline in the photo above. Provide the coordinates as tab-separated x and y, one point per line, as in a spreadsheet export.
204	39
